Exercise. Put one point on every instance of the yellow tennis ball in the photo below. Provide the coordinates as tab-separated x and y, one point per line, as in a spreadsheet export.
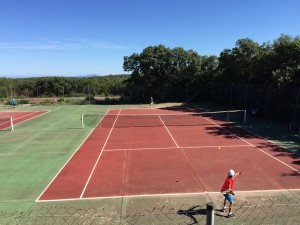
219	147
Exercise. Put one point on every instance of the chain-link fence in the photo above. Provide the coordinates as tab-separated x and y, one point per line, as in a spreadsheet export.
64	215
267	210
280	104
54	215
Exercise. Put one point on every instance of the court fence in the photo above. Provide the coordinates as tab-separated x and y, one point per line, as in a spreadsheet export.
285	210
281	104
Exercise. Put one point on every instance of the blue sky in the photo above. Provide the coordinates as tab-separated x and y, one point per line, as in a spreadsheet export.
81	37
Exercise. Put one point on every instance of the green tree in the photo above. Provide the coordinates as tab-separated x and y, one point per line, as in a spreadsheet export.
161	72
238	64
286	60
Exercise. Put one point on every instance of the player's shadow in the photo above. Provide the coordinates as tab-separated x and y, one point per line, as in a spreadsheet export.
220	213
192	212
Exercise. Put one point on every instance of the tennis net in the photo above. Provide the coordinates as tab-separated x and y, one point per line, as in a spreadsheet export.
90	120
153	120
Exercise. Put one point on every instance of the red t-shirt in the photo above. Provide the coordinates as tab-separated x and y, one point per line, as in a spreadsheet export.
228	184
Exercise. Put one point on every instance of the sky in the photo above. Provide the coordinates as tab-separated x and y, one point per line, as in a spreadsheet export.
82	37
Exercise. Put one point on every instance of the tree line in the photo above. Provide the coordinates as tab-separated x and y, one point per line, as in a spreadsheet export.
182	75
62	86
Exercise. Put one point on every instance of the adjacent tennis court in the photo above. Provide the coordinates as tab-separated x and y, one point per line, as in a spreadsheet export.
153	151
10	118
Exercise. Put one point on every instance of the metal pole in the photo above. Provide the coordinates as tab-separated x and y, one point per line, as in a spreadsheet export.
11	123
295	112
99	121
63	94
210	212
89	94
231	93
82	123
10	94
246	97
267	100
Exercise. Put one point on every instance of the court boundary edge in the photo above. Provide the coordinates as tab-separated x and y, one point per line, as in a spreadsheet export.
31	112
162	195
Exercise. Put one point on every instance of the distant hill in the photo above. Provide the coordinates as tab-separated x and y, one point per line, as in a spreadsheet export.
83	76
90	75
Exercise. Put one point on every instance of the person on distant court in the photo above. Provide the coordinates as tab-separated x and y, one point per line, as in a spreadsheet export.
151	102
14	103
254	112
227	191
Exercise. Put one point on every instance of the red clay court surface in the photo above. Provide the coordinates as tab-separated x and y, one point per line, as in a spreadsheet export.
153	160
19	116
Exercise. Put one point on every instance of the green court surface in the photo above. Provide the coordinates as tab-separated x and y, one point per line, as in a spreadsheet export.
33	153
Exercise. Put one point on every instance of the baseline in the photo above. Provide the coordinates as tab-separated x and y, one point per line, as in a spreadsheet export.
169	194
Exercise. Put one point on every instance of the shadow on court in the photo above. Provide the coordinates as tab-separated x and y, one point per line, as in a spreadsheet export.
192	212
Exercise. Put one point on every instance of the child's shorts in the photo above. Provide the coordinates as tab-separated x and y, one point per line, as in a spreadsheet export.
229	197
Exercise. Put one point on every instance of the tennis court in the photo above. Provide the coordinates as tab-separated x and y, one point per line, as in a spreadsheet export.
7	118
137	152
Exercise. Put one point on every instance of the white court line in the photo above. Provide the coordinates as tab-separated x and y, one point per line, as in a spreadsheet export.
184	157
31	153
188	147
16	201
274	143
163	195
29	113
37	200
169	133
12	111
256	147
45	112
99	156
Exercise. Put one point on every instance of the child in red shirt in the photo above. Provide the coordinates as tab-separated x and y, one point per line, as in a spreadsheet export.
227	191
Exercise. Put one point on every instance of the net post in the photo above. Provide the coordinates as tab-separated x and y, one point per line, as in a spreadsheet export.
11	123
99	120
82	123
210	212
245	116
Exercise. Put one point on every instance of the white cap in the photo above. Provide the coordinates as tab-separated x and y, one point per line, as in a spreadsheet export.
231	173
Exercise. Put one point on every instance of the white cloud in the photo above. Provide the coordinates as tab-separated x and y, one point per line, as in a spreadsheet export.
62	45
